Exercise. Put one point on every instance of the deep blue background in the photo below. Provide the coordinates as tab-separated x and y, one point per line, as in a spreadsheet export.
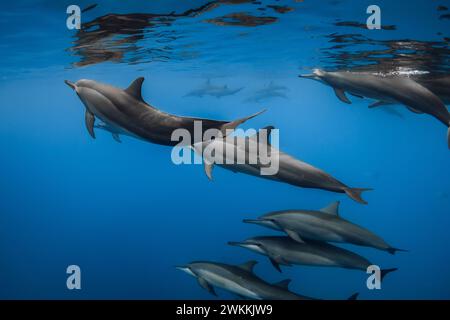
126	215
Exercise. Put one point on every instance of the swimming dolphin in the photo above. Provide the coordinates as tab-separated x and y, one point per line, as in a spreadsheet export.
115	131
125	109
217	91
240	280
285	251
269	92
386	90
321	225
291	170
438	84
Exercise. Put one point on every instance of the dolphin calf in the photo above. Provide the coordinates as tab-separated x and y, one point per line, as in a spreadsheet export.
115	131
285	251
386	90
125	110
240	280
290	170
321	225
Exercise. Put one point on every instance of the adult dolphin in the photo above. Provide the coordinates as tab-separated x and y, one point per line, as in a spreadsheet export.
285	251
321	225
240	280
125	110
290	170
386	90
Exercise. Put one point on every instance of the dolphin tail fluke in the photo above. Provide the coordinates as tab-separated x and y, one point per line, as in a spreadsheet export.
394	250
353	296
384	272
236	123
355	194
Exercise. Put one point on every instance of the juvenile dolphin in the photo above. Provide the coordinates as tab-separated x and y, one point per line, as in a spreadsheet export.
125	109
386	90
240	280
115	131
285	251
291	170
322	225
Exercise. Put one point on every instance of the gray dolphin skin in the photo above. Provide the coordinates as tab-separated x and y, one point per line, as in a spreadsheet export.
125	110
386	90
439	85
240	280
321	225
291	170
287	252
209	89
116	132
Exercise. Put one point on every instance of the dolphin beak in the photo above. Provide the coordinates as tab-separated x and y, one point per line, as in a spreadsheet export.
236	244
71	84
251	221
308	76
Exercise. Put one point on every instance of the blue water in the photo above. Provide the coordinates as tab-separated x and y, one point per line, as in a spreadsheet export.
127	215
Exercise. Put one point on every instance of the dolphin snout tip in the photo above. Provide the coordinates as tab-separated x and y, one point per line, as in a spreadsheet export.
233	243
249	221
71	84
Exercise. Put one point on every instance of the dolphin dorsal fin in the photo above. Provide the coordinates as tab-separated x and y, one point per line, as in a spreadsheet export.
135	89
332	208
283	284
248	266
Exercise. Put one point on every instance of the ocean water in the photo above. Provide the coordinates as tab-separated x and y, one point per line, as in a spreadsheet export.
127	215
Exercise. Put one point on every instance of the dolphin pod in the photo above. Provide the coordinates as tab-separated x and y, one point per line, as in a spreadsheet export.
291	170
241	281
389	89
126	111
321	225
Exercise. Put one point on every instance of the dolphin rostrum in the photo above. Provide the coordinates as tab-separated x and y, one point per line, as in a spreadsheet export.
386	89
290	170
285	251
240	280
126	111
322	225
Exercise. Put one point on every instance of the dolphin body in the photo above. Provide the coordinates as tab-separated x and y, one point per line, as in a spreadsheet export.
285	251
291	170
386	90
125	111
439	85
240	280
322	225
269	92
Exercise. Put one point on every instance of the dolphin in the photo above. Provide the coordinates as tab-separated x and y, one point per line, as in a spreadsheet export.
291	170
126	109
321	225
240	280
285	251
115	131
386	90
213	90
438	84
269	92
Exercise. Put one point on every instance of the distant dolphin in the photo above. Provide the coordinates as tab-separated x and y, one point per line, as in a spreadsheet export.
240	280
285	251
217	91
269	92
125	109
291	170
385	89
322	225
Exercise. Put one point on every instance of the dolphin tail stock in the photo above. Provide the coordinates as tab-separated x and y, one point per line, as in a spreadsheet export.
384	272
394	250
355	194
353	296
236	123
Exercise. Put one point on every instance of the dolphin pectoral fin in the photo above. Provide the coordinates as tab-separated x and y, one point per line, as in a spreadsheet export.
355	194
275	264
135	89
205	285
116	137
208	169
294	235
378	104
89	119
341	95
414	110
234	124
357	95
